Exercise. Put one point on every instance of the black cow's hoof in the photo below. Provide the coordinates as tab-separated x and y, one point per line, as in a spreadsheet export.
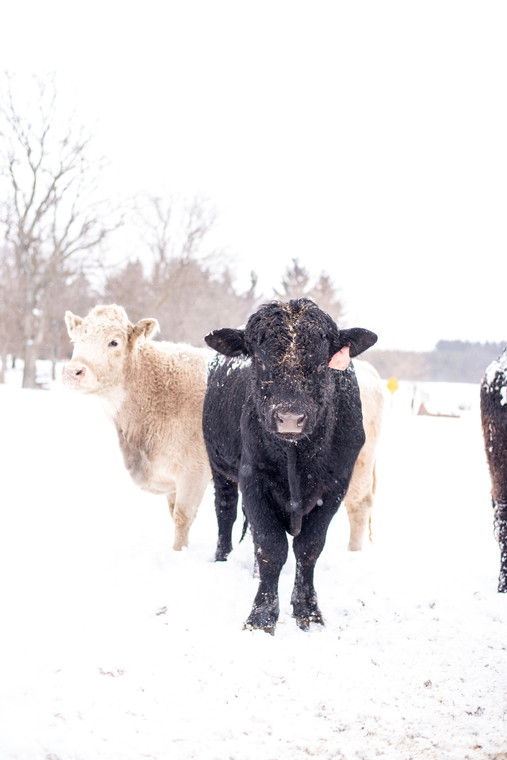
267	628
263	617
305	610
304	621
222	553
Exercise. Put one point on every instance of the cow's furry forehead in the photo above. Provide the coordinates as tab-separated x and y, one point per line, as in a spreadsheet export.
284	327
106	319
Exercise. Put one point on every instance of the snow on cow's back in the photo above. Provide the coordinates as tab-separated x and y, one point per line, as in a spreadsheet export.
495	377
215	361
497	367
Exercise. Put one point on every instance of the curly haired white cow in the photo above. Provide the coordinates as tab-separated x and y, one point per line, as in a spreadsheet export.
153	392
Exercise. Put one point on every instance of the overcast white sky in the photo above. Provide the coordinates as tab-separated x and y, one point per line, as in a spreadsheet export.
368	139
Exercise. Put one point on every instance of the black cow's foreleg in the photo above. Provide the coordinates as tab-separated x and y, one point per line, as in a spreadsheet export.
271	557
226	508
307	548
501	534
271	549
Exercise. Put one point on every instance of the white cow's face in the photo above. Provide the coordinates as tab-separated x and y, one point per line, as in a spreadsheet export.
103	342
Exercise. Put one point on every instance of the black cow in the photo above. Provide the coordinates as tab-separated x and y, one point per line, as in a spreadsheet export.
494	427
287	428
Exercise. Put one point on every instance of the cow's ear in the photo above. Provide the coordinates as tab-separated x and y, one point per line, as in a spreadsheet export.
72	322
358	339
144	329
227	341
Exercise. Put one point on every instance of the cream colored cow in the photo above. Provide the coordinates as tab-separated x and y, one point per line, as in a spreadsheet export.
361	491
153	392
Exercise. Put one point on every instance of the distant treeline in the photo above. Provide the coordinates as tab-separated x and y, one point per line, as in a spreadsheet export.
451	361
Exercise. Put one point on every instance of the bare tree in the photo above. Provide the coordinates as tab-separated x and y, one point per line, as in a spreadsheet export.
325	295
10	318
49	210
128	286
190	287
297	283
175	233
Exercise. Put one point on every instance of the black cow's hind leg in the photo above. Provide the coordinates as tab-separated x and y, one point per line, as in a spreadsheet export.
226	508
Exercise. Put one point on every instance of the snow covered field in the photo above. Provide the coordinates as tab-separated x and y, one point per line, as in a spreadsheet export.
114	647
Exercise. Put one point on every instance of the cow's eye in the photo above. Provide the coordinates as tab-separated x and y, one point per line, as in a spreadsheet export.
261	364
112	344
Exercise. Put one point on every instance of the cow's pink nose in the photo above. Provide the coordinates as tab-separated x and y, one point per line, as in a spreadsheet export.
74	371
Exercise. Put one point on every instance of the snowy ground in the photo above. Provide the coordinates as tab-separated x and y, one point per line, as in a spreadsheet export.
112	646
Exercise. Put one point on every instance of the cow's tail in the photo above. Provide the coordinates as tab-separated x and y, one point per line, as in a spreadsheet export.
245	528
